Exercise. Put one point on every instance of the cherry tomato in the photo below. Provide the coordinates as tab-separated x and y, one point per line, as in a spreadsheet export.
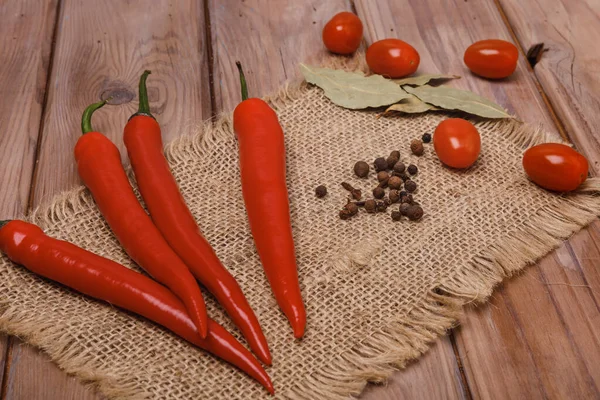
555	166
392	58
492	58
343	33
457	143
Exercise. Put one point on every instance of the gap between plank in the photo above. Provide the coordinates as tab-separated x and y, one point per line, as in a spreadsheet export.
557	121
461	369
210	57
29	206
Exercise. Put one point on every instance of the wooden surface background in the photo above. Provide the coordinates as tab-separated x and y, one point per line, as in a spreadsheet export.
538	337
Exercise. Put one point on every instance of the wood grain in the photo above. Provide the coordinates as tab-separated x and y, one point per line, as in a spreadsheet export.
568	71
433	376
26	41
101	49
523	343
286	35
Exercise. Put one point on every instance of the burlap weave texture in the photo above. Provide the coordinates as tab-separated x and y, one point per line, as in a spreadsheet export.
376	291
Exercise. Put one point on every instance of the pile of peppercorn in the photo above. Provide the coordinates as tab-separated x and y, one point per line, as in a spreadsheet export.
392	174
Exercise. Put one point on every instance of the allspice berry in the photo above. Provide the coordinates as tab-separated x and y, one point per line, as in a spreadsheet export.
391	161
381	206
361	169
416	146
380	164
414	213
382	176
395	183
345	214
407	199
396	215
395	154
412	169
399	167
378	193
370	206
404	208
352	208
321	191
394	196
410	186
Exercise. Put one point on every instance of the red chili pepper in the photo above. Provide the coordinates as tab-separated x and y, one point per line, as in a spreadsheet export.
172	217
262	167
99	166
103	279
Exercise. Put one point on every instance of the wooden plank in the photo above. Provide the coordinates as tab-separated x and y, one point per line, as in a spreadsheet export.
502	359
101	49
540	331
433	376
25	40
286	35
570	30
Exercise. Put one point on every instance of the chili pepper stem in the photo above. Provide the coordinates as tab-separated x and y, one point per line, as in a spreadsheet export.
144	107
242	81
4	222
86	119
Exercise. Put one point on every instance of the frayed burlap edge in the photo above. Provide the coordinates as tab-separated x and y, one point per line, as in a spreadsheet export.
406	337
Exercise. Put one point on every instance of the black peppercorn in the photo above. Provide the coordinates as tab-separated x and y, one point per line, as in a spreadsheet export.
361	169
370	206
396	215
395	182
416	146
380	164
414	213
382	176
426	138
412	169
399	167
394	196
403	193
410	186
321	191
378	193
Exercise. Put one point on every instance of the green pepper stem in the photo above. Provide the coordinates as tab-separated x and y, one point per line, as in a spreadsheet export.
242	81
144	107
4	222
86	119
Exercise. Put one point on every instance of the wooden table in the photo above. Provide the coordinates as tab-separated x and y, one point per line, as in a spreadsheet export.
539	337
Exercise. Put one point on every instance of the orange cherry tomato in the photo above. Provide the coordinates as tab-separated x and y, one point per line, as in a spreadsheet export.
457	143
343	33
392	58
555	166
492	58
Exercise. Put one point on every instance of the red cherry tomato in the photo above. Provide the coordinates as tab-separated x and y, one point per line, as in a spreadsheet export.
493	58
457	143
343	33
392	58
555	166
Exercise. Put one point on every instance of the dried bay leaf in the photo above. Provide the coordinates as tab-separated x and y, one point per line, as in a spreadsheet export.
354	90
455	99
424	79
411	105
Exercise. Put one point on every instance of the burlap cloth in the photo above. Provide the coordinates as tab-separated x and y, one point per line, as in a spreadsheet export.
376	291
